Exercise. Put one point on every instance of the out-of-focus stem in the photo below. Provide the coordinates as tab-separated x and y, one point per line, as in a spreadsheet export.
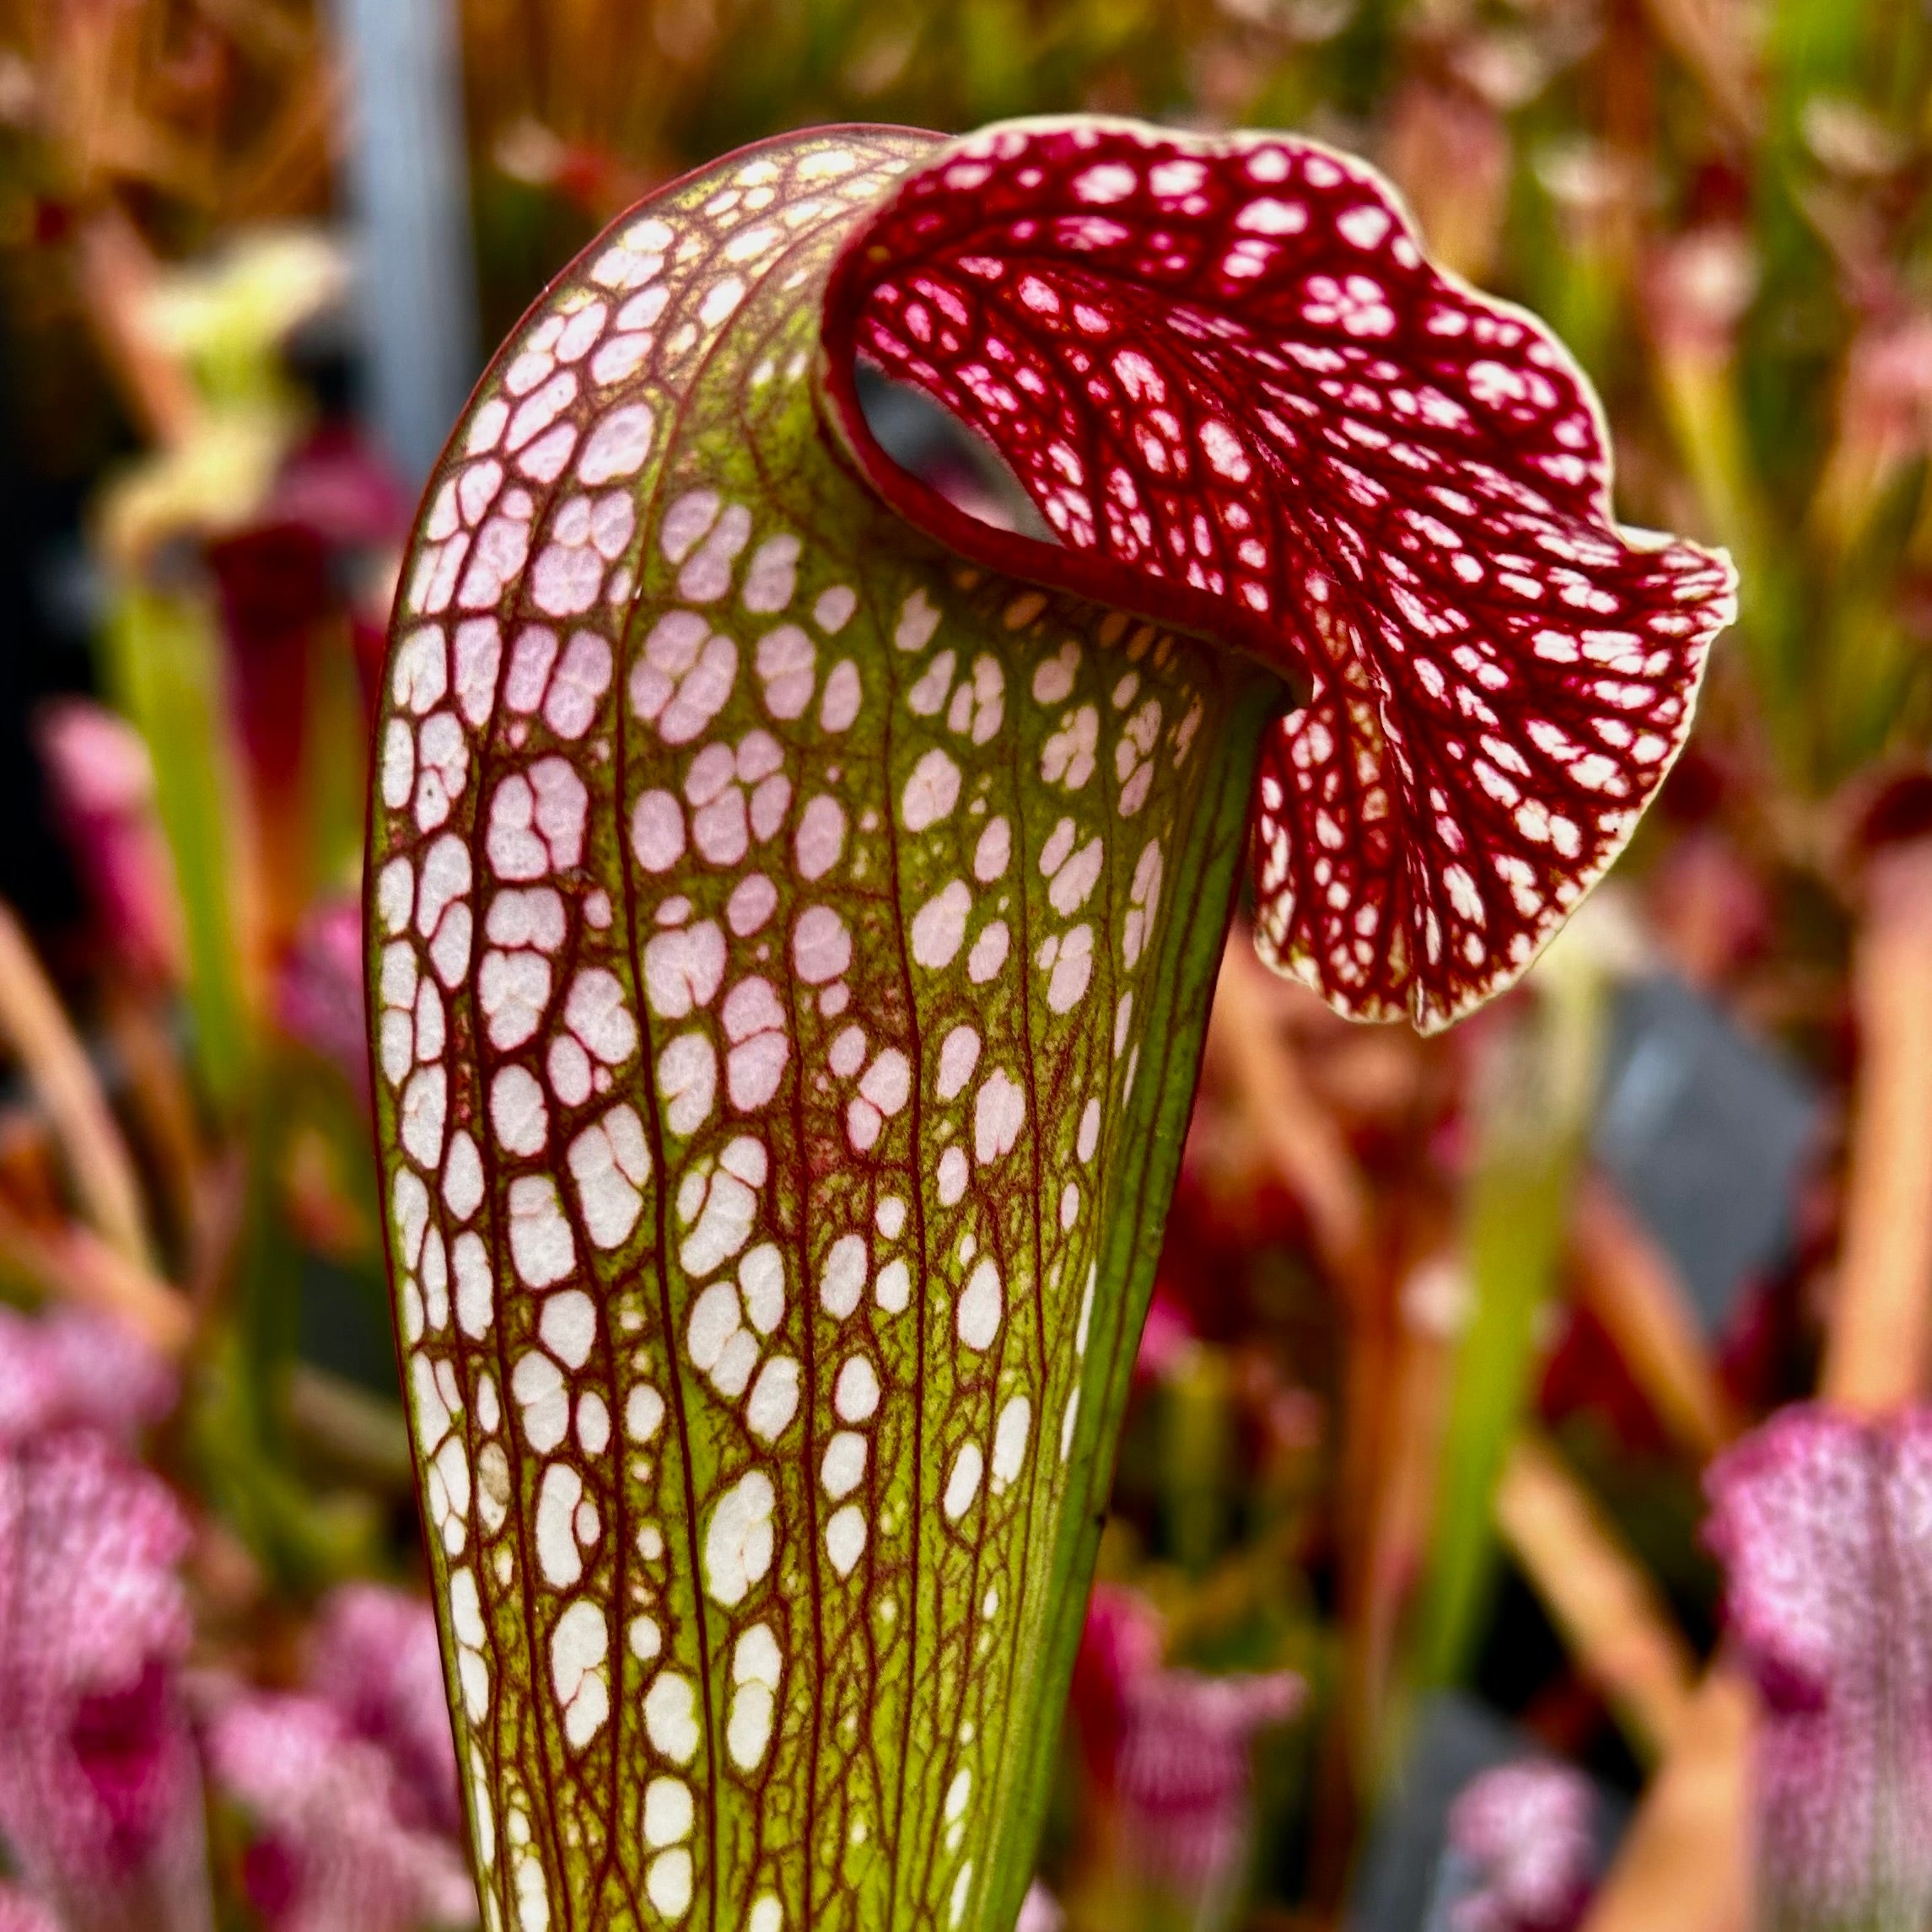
1304	1150
157	1100
36	1027
1713	38
1400	1506
165	662
1298	1136
1876	1352
117	275
1532	1111
75	1265
352	1431
1684	1862
1616	1626
1632	1288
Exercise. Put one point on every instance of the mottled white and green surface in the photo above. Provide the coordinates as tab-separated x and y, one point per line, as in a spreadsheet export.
790	951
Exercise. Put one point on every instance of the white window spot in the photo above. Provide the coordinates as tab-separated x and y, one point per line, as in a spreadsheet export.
683	969
738	1541
397	1046
821	947
682	676
1144	895
1053	680
753	901
558	1555
396	895
532	656
1068	756
847	1053
757	1667
786	665
425	1104
719	300
958	1054
930	793
981	1305
487	425
475	1286
1072	968
687	1082
821	836
568	1327
833	610
668	1882
953	1171
422	672
537	820
462	1175
445	879
513	989
713	1321
1073	883
722	1205
771	579
707	573
761	1281
579	1666
618	445
856	1394
917	620
409	1209
668	1812
845	1538
755	1024
1366	226
643	1413
962	1485
569	1069
839	708
657	830
991	855
670	1717
538	1385
611	1162
518	1114
540	1246
596	1011
893	1289
1009	1439
398	764
842	1468
1059	842
939	927
842	1278
929	693
774	1399
988	953
527	918
999	1112
1107	182
686	523
579	687
887	1082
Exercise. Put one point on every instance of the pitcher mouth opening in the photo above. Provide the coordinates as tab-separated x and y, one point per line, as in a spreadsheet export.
929	443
